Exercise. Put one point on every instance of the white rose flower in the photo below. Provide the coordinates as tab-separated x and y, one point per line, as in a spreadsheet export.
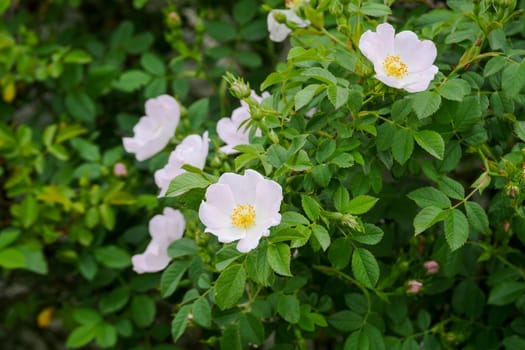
241	207
153	131
280	31
193	150
163	229
232	132
401	60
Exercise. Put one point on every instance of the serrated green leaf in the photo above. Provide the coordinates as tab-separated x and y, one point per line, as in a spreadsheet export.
494	65
321	235
402	145
320	74
304	96
289	308
180	321
182	247
360	204
371	235
430	196
231	338
427	217
279	257
375	10
310	207
345	321
451	188
365	267
257	266
201	311
456	229
341	198
513	79
229	287
432	142
185	182
506	293
454	89
426	103
339	253
252	329
477	217
226	255
338	95
171	277
519	129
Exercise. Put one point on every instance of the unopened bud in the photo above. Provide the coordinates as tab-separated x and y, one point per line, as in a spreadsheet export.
512	191
414	287
238	87
506	226
431	266
352	222
120	170
173	19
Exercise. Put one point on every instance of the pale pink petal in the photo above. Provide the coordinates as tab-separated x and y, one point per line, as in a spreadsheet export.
377	45
416	54
278	31
416	82
269	195
214	217
248	243
227	234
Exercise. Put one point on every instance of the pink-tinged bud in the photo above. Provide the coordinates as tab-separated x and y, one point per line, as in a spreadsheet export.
511	191
431	266
119	169
506	226
414	287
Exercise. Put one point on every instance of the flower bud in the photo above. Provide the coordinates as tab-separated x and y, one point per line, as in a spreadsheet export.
238	87
512	191
431	266
120	170
173	19
414	287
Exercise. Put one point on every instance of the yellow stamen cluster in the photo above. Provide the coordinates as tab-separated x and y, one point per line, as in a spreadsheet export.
394	67
243	216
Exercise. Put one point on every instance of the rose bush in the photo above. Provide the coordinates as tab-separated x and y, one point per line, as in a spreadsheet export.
371	199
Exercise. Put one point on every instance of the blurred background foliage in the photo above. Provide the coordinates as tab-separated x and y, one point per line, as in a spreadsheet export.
74	76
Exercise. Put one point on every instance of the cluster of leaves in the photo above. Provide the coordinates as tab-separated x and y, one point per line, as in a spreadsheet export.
375	184
376	181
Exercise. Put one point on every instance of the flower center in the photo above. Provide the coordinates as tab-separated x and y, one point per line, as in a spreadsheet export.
243	216
394	67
